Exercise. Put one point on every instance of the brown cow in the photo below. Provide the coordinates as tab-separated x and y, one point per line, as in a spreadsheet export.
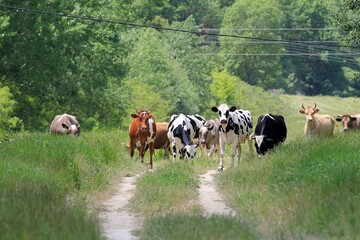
209	137
142	131
65	124
317	125
161	140
349	121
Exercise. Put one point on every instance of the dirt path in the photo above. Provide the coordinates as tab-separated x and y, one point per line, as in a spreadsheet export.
210	198
117	221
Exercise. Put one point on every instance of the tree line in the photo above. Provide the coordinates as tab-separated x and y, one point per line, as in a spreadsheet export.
101	71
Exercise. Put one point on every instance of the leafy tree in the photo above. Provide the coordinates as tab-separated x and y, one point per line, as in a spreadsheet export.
152	65
349	19
243	59
311	74
8	122
223	86
186	51
55	64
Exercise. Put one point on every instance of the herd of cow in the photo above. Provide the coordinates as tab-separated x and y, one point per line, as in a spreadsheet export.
183	134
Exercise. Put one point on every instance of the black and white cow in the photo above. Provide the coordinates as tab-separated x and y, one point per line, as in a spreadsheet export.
235	128
270	130
181	134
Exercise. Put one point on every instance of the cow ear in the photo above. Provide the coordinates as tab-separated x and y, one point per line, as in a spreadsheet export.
232	109
214	109
301	111
316	110
338	119
133	115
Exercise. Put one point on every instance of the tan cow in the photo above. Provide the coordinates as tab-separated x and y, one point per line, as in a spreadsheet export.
209	137
349	121
317	125
65	124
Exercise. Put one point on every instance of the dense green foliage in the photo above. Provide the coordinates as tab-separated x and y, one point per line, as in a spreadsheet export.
102	71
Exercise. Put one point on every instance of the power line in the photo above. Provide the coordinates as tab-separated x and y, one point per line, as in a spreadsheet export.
295	48
271	29
19	9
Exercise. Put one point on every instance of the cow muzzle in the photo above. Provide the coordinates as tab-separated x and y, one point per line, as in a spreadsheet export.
223	121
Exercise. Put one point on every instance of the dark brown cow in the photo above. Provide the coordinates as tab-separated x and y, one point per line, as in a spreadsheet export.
65	124
142	131
161	140
349	121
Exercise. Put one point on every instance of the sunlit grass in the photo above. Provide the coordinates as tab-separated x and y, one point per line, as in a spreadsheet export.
195	226
303	189
45	180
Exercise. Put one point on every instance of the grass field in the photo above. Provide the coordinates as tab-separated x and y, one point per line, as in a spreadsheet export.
304	189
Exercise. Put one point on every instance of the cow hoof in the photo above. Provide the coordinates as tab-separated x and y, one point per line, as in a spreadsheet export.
220	169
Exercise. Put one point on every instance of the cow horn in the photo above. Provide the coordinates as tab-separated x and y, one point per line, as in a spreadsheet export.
315	106
303	106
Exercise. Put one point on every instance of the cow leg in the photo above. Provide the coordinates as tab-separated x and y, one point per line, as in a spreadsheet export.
141	153
251	149
221	155
131	148
239	154
174	151
235	146
151	155
211	150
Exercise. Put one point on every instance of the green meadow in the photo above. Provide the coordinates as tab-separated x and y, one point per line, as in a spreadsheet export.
301	190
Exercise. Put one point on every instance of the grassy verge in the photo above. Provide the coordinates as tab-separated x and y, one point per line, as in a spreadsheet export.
45	181
305	189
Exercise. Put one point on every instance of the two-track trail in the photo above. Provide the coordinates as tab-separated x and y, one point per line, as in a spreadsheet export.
210	199
118	223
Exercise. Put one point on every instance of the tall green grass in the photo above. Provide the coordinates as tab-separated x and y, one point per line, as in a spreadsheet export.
45	182
304	189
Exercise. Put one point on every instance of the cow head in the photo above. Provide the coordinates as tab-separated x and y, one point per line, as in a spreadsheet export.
224	113
347	121
309	111
143	117
72	126
203	134
72	129
190	150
